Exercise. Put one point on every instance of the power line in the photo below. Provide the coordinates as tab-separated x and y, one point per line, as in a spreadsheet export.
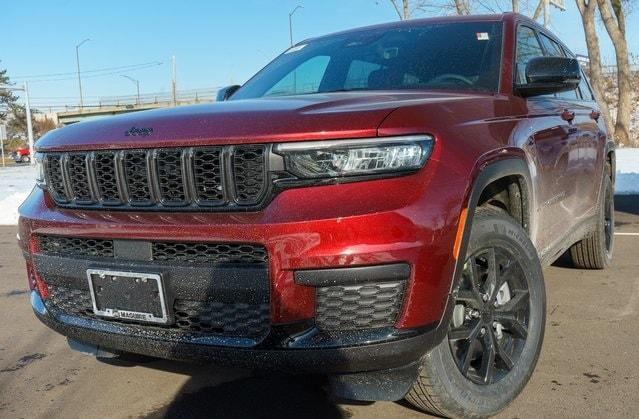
98	70
91	76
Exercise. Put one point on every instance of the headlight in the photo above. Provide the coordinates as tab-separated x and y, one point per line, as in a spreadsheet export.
39	166
339	158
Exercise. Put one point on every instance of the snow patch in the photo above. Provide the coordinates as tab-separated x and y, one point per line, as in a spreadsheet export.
627	180
16	182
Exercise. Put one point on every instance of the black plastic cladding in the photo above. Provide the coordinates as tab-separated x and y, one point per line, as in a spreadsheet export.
194	178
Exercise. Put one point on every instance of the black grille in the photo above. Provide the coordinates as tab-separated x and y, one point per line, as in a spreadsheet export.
208	176
354	307
187	178
209	252
161	251
248	163
137	178
55	181
71	301
72	246
206	317
172	189
235	319
106	178
81	189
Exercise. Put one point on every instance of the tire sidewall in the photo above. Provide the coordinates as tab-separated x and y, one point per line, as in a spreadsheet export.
607	193
484	400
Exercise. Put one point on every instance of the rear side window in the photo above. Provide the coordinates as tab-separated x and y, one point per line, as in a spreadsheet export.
584	87
528	47
552	48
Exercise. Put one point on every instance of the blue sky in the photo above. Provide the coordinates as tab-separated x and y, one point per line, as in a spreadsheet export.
215	42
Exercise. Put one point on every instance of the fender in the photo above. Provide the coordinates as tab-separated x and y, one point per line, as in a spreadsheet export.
511	166
484	175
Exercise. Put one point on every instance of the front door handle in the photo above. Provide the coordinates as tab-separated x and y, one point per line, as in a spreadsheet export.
567	115
595	115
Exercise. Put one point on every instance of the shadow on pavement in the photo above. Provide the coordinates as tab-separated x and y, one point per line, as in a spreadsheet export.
262	396
213	391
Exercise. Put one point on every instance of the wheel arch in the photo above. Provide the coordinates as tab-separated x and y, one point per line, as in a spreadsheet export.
484	175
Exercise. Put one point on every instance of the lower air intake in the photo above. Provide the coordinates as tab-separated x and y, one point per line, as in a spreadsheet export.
353	307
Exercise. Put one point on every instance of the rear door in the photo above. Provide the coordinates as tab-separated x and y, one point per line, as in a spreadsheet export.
591	150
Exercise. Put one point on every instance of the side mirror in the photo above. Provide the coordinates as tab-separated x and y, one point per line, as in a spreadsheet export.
226	92
546	75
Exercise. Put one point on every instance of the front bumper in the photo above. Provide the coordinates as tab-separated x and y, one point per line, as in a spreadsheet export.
381	222
303	353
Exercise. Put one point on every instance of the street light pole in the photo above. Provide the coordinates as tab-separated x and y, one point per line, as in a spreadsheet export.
137	84
29	125
77	61
290	22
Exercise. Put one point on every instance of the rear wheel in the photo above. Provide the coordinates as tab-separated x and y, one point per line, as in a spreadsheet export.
497	326
595	250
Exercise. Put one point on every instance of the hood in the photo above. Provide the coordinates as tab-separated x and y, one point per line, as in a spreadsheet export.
292	118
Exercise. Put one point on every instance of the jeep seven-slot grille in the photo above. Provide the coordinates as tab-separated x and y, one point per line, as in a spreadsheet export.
185	178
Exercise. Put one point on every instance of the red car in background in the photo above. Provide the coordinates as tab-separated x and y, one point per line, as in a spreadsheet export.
21	155
375	205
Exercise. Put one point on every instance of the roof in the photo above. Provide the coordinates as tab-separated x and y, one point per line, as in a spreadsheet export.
430	20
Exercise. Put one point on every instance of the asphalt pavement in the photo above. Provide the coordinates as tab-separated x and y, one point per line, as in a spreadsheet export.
589	366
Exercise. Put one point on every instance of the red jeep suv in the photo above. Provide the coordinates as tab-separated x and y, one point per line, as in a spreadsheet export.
374	205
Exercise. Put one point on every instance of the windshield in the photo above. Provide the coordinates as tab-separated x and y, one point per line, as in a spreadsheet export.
460	56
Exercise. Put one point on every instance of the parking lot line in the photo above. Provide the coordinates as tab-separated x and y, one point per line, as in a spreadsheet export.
626	234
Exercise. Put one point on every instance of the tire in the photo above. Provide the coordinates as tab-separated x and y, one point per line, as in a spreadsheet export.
595	250
442	388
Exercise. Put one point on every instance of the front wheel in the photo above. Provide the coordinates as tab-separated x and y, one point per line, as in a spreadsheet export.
497	327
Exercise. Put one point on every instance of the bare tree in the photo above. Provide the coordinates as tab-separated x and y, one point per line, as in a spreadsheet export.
403	9
613	16
462	7
588	11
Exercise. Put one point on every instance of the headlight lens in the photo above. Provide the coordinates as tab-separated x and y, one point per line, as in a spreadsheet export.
39	166
339	158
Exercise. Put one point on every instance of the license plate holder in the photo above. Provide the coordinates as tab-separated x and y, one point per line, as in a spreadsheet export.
131	296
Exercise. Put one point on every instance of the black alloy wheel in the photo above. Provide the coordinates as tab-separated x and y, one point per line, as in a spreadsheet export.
490	319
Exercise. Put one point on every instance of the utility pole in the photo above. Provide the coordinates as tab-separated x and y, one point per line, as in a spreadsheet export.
137	84
77	61
29	125
544	6
27	108
174	81
290	22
